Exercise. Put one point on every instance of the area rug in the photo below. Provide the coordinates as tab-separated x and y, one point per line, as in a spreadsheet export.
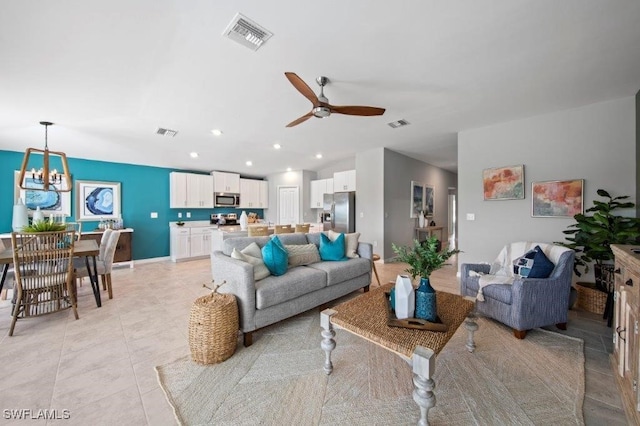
279	381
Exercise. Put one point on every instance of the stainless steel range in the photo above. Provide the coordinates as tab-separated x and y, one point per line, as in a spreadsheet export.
224	219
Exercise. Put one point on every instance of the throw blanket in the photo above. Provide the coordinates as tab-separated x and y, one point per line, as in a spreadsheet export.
501	271
486	279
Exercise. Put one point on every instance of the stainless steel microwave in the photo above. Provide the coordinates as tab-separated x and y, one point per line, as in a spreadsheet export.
226	199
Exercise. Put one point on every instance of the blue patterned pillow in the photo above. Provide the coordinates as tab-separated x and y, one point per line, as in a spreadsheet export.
332	250
534	264
275	256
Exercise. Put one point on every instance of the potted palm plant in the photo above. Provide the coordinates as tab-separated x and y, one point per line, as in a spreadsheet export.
592	235
423	258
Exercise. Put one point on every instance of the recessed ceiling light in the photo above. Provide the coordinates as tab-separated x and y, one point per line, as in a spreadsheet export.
318	156
194	155
249	163
277	146
288	169
217	132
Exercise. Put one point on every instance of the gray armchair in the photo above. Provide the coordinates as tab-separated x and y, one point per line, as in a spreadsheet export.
526	303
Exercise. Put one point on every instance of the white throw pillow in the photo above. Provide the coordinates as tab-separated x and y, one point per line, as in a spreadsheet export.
302	254
350	243
260	270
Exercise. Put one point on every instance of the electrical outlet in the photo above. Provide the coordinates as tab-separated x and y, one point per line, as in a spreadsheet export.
179	215
154	215
361	214
471	216
375	244
188	214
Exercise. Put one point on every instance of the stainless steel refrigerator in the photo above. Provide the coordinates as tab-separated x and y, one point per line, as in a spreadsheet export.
339	212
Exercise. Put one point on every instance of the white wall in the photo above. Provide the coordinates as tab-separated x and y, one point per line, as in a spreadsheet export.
370	197
596	143
339	166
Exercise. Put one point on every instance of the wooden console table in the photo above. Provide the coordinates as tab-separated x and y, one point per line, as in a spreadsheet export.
429	230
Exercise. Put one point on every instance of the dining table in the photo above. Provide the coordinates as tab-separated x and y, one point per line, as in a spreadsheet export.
87	249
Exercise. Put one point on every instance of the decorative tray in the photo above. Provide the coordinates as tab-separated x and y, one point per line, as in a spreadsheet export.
416	323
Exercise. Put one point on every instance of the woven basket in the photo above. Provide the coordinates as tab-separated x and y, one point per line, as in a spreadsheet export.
591	299
213	328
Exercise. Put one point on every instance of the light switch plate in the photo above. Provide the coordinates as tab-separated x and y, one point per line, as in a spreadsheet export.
154	215
188	214
179	215
471	216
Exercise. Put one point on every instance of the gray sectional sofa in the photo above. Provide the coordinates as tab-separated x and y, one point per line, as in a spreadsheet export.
301	288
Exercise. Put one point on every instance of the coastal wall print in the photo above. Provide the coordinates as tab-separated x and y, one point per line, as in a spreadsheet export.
97	200
50	202
558	198
503	183
417	199
429	200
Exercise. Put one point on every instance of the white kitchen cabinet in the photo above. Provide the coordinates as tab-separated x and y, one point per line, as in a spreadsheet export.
226	182
199	191
254	194
177	190
190	243
344	181
317	191
180	244
190	190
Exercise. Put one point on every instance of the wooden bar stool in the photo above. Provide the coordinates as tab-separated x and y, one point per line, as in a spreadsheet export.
374	258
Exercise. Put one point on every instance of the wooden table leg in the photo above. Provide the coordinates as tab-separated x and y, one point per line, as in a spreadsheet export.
328	343
471	326
424	364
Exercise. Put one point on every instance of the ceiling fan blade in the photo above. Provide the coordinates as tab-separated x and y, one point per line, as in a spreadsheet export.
300	120
357	110
302	87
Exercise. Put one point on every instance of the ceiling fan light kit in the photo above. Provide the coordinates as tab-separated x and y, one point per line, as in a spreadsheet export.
321	106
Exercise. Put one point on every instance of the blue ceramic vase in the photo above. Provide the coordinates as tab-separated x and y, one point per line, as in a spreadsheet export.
426	301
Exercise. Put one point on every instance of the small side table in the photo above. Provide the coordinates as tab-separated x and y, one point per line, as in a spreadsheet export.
375	271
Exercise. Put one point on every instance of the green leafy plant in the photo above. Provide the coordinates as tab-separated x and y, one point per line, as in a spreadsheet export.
44	226
592	235
423	258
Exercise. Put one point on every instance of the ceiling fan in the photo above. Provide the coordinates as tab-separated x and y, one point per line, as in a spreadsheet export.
321	107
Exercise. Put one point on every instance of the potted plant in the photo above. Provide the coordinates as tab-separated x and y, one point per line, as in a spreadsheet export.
424	258
592	235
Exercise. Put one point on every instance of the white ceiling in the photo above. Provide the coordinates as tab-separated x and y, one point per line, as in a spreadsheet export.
109	73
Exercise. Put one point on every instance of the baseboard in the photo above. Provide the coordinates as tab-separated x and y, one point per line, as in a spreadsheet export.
152	260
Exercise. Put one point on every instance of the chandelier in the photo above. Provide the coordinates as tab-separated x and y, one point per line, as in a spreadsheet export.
51	180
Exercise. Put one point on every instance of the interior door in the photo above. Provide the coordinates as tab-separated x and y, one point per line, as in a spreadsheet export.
288	205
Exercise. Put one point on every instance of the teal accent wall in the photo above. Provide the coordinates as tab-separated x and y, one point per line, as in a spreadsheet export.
144	189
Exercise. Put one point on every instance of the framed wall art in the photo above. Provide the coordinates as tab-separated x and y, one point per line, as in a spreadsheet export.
503	183
417	199
429	200
50	202
97	200
558	198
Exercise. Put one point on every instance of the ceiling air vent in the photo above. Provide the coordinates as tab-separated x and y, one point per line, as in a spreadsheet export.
166	132
399	123
246	32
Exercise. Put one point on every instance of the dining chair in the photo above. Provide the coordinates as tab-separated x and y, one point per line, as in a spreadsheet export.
43	269
283	229
8	282
104	263
103	246
258	231
303	227
74	226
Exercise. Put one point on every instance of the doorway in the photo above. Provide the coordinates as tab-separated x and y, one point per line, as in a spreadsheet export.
453	238
288	205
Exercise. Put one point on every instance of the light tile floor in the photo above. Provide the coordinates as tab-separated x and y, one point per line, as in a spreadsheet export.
101	367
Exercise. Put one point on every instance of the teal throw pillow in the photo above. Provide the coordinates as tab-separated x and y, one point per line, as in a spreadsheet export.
332	250
275	256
